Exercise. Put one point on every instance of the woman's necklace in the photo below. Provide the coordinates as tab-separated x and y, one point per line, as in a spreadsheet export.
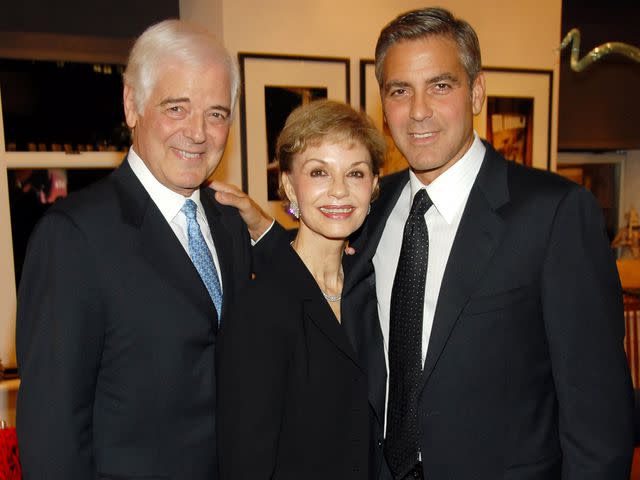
331	298
327	297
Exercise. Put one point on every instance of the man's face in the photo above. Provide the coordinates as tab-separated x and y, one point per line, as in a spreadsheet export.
182	131
428	104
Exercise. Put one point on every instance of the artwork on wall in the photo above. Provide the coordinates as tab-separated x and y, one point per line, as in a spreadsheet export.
370	103
272	86
279	102
510	127
516	115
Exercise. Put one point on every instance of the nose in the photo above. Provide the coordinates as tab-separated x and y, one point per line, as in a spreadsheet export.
195	129
338	187
420	107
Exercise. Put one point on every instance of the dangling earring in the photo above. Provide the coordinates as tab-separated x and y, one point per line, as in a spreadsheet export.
369	209
294	209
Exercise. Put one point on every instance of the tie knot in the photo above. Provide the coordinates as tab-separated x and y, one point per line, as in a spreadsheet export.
421	203
189	208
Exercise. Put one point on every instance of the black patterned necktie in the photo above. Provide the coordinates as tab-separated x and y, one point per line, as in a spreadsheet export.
402	442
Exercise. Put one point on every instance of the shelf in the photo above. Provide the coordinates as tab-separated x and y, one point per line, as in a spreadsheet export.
62	160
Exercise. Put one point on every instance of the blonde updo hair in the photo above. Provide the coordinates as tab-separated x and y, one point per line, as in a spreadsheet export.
327	120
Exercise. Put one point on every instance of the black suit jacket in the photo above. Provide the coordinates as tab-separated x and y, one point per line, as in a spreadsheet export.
292	401
525	375
116	336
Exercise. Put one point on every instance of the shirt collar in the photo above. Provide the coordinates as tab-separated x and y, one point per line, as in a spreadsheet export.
168	202
450	190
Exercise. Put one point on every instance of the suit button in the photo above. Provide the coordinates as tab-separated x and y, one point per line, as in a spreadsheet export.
379	443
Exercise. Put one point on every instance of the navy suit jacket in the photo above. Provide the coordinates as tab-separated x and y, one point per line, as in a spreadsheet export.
525	375
116	338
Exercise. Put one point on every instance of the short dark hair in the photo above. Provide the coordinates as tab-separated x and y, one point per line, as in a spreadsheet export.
425	22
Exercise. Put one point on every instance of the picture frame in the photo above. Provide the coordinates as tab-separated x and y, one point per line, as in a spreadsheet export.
533	87
295	75
518	88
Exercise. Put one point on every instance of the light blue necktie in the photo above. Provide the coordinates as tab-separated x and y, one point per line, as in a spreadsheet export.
201	256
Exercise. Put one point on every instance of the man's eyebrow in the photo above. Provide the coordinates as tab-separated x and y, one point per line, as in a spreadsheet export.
167	101
445	76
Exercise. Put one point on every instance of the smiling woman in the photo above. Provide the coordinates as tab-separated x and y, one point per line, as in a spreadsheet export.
308	422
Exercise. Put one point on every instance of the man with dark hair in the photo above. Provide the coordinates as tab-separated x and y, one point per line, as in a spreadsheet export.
499	310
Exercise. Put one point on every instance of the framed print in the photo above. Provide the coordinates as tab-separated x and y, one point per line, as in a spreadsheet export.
516	115
272	86
370	103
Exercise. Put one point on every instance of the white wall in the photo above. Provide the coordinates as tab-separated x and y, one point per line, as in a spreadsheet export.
523	34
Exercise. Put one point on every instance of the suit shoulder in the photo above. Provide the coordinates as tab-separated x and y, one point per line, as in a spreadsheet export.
526	181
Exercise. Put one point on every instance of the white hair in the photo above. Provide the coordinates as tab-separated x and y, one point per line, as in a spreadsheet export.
174	40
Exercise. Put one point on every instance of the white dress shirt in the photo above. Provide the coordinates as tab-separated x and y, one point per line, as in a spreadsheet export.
170	204
449	193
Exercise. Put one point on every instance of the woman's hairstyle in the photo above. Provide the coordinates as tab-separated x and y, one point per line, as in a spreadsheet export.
174	41
328	120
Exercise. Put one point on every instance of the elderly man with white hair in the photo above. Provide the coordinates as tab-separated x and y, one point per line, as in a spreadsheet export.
127	282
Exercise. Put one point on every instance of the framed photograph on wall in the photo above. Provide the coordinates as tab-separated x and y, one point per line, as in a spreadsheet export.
370	103
516	115
272	86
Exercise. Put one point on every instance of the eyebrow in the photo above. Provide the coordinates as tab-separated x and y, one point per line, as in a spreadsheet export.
169	101
324	162
437	79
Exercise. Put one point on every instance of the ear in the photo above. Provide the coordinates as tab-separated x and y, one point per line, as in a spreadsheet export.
478	94
288	186
130	109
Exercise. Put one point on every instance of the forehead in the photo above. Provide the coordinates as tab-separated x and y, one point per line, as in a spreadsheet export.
182	79
433	54
332	149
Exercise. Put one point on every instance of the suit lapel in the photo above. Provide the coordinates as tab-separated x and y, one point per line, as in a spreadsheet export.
362	329
479	234
158	244
315	306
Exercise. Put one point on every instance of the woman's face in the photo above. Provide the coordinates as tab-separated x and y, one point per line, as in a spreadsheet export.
332	183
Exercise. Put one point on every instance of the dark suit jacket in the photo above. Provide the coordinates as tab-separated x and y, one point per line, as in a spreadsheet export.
525	375
116	336
292	402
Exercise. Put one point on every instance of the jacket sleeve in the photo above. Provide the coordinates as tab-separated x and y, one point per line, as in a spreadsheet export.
58	340
584	320
252	358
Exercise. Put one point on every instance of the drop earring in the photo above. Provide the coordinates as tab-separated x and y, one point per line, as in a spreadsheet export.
294	209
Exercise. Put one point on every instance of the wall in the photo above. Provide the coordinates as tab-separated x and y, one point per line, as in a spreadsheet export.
631	193
522	34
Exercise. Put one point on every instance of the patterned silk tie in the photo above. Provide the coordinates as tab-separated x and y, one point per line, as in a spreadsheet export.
201	256
402	443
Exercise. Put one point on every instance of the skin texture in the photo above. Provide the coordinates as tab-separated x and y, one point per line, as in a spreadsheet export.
327	176
428	103
182	131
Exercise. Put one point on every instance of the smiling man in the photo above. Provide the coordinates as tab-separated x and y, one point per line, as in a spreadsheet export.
499	312
126	283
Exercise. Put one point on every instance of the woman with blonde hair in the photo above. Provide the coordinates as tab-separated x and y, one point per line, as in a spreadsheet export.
292	397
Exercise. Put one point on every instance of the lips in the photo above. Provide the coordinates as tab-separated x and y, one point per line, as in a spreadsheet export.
337	211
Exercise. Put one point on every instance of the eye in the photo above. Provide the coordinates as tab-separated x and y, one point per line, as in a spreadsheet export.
356	174
175	110
442	87
397	92
219	115
317	172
